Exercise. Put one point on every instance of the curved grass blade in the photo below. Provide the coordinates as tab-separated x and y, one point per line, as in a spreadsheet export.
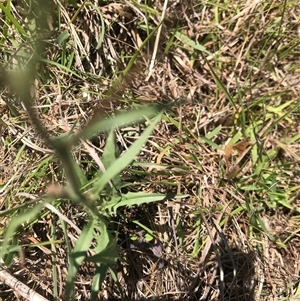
16	222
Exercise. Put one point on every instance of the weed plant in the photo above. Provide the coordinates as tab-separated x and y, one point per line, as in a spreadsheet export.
150	150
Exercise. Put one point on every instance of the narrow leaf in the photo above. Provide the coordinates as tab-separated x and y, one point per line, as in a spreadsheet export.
138	198
186	40
108	256
125	159
121	120
99	277
14	224
110	155
78	256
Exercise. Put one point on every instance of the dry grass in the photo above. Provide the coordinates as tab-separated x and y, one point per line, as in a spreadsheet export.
230	141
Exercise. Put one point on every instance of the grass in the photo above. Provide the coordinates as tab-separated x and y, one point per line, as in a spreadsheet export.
123	179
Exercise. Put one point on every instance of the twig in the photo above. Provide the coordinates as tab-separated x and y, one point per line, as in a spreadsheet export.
19	287
157	40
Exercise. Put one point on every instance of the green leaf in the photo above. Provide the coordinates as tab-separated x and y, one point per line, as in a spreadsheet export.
125	159
108	256
186	40
138	198
119	80
10	17
102	26
78	256
221	86
214	132
99	277
110	155
263	228
16	222
121	120
107	250
210	142
102	239
62	37
235	138
12	251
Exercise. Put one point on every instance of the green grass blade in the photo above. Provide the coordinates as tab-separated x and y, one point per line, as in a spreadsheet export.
220	84
15	223
131	62
10	17
186	40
